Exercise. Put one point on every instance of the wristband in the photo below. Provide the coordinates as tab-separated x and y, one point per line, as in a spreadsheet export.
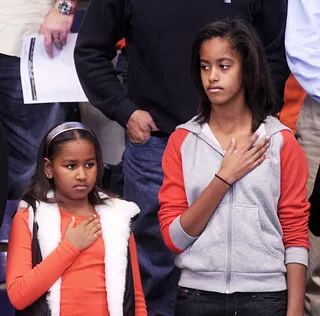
226	182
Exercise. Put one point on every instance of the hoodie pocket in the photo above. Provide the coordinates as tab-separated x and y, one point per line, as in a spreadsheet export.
208	253
252	249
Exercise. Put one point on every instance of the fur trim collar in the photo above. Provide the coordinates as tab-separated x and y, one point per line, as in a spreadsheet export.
115	217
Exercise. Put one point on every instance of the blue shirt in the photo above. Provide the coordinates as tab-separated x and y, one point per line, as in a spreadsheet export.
302	42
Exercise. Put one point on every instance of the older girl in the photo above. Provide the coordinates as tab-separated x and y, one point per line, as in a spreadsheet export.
233	200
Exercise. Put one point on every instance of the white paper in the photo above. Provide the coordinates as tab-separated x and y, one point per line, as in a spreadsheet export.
49	80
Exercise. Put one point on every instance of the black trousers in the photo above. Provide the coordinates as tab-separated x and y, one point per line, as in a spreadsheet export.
192	302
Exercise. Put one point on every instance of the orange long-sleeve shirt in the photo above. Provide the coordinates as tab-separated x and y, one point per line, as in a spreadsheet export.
294	96
83	290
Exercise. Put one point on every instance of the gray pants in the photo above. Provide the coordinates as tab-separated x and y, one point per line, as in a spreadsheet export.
308	134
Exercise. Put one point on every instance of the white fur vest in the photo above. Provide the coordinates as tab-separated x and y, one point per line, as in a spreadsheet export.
115	217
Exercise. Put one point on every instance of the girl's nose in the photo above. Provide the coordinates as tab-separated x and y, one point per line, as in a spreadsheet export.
81	175
214	75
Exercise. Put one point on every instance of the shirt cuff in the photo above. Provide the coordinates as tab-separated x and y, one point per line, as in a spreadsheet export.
125	108
68	246
178	236
296	255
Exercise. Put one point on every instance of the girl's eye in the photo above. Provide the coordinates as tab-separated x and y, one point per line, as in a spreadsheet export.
71	166
224	67
204	67
89	164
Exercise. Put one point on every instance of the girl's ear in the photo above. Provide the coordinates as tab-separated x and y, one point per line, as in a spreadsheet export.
48	168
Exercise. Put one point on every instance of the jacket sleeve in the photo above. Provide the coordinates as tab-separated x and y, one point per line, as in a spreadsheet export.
140	304
269	17
104	24
172	196
3	173
293	207
24	283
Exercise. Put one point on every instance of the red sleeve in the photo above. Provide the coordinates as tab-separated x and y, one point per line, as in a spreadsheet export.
24	283
172	195
121	44
293	206
140	304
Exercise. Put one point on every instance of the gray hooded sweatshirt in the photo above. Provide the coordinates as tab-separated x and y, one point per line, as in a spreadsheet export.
259	226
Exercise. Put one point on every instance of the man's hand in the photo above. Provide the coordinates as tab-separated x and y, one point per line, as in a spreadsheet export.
55	29
139	126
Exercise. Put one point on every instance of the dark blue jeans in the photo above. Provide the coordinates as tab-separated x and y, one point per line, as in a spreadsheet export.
25	125
143	176
192	302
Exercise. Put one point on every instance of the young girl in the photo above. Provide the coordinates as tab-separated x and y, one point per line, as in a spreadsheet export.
233	201
71	251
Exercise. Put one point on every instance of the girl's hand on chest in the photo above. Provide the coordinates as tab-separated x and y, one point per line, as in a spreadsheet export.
237	164
85	234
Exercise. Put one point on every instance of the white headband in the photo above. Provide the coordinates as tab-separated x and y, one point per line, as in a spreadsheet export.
68	126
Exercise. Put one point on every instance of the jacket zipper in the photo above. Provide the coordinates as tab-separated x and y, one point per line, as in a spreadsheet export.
229	254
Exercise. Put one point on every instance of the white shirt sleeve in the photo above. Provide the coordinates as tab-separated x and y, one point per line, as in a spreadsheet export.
302	43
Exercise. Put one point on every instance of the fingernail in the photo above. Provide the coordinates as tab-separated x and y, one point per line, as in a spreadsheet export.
257	134
233	140
94	215
73	218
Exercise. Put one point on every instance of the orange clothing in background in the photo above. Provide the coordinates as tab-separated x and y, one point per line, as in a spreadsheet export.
294	96
83	289
121	44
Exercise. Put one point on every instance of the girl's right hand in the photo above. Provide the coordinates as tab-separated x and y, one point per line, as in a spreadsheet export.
235	165
85	234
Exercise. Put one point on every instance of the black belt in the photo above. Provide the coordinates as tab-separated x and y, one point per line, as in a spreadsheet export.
159	134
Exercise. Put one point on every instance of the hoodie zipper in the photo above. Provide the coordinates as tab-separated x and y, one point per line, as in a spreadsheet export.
229	254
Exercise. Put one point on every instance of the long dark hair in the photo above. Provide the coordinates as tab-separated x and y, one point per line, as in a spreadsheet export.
259	90
41	185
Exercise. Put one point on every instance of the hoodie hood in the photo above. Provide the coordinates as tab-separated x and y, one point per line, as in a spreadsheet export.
272	126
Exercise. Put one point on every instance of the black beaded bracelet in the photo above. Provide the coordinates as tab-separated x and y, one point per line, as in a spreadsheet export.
223	180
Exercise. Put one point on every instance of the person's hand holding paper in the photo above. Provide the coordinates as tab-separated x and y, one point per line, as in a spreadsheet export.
57	25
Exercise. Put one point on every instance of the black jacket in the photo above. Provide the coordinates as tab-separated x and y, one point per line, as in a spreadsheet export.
314	220
3	173
158	36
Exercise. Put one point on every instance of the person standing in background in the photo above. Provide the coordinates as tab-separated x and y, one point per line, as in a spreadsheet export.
160	96
3	172
25	125
302	43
